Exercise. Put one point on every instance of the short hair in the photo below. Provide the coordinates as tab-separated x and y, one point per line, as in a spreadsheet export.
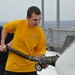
33	9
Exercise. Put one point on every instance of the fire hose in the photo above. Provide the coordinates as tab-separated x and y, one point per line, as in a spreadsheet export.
50	60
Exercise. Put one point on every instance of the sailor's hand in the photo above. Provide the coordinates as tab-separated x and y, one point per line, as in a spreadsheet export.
3	48
44	66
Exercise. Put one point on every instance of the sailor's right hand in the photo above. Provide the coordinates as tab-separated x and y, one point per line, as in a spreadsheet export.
3	48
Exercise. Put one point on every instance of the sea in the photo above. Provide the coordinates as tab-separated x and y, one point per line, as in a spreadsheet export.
65	24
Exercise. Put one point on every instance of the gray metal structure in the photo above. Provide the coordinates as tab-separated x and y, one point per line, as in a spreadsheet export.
42	8
57	16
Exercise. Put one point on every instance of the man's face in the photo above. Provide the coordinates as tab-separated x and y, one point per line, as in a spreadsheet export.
34	20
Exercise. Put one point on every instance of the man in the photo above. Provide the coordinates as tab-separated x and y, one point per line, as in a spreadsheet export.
3	55
28	39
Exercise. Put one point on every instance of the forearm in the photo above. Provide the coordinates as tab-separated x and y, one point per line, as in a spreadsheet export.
3	36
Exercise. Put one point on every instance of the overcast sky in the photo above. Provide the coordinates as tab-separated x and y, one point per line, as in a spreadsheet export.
16	9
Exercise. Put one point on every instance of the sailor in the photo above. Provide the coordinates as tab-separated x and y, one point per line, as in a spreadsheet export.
29	39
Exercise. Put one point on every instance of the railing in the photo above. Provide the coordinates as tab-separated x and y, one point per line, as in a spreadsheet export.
56	37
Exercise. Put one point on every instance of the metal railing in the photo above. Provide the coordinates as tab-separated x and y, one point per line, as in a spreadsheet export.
56	37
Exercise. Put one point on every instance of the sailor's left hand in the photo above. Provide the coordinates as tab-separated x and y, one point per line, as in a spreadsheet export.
44	66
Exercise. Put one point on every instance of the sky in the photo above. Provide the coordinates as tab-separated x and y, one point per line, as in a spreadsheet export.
16	9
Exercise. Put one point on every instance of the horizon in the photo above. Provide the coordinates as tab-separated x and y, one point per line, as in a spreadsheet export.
44	21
